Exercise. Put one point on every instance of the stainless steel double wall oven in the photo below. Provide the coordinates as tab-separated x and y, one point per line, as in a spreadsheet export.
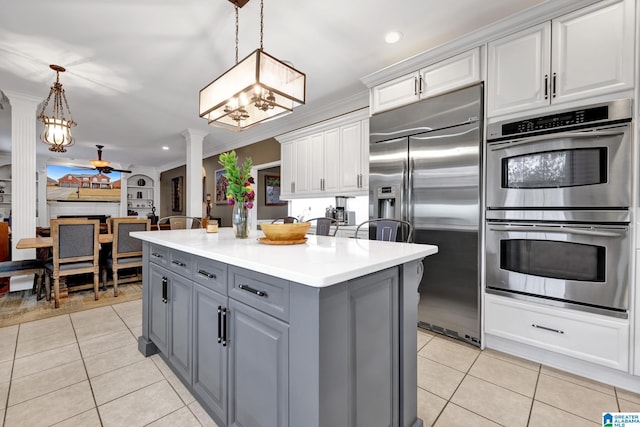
558	198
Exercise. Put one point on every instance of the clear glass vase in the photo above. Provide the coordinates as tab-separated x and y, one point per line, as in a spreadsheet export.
240	220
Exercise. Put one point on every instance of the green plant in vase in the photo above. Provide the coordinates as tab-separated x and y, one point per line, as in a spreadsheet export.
240	194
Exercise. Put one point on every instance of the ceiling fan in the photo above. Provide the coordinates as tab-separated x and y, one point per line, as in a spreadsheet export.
102	166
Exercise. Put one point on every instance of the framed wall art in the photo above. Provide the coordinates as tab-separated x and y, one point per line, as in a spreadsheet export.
177	194
272	190
221	187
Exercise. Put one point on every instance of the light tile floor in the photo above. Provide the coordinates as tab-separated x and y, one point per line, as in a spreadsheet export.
459	385
84	369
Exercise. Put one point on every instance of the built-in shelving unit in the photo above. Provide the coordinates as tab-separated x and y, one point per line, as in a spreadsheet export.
140	195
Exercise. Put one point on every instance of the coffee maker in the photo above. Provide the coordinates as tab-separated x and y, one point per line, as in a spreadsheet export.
342	213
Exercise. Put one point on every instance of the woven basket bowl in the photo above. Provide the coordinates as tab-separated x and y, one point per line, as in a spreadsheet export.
295	231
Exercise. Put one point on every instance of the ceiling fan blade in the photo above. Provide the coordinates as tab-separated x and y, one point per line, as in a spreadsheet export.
120	170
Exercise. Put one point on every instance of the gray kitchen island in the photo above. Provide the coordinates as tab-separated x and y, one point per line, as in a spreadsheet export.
321	334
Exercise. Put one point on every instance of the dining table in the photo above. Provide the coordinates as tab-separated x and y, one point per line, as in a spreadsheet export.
47	242
44	244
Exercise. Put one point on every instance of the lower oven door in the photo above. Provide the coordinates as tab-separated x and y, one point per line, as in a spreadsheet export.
581	266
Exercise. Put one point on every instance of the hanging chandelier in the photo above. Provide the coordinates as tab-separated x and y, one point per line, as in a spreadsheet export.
57	129
258	88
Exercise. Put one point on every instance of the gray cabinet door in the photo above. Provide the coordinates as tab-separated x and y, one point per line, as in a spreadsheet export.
258	369
209	356
179	300
373	309
158	318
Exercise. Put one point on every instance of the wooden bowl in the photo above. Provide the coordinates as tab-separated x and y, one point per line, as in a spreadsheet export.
295	231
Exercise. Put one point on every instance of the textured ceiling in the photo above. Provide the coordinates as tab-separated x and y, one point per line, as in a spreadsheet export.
135	66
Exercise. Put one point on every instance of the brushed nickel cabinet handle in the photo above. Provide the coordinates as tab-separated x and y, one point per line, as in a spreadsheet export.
557	331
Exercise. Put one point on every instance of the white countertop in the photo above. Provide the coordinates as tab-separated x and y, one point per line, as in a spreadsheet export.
321	261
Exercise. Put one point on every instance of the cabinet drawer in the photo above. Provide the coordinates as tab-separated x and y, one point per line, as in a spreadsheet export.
594	338
266	293
181	263
212	274
159	255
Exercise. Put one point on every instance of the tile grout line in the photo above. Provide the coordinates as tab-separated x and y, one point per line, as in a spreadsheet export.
13	363
84	364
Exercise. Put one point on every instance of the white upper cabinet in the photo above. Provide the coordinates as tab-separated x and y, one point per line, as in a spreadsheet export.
287	167
519	70
328	159
593	50
583	54
351	155
452	73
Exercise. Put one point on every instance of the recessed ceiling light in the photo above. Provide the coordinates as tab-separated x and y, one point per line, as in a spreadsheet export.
393	37
164	147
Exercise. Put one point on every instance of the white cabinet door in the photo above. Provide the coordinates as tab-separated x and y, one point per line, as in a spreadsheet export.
288	168
332	162
452	73
400	91
302	174
364	156
316	163
518	71
593	51
351	157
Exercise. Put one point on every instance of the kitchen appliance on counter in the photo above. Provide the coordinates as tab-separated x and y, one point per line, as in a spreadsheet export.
341	212
558	198
425	169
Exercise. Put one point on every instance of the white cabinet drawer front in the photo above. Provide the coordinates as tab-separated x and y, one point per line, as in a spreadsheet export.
596	339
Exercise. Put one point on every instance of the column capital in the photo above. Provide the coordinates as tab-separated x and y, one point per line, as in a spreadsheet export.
193	134
24	98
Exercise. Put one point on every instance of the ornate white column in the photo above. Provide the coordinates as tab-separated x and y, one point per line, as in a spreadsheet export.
23	178
193	185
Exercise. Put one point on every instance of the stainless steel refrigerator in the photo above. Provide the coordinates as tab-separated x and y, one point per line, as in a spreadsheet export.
425	169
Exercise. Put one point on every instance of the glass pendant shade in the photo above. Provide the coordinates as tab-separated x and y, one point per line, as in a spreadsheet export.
57	128
57	133
258	88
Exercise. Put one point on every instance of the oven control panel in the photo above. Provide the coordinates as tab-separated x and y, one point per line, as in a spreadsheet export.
555	121
612	111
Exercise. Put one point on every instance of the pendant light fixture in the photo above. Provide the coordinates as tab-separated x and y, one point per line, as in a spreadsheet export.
57	128
258	88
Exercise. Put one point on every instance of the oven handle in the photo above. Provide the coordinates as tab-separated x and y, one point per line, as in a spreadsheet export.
593	134
565	230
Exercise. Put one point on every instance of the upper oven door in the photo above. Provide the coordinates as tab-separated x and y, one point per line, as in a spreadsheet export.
583	169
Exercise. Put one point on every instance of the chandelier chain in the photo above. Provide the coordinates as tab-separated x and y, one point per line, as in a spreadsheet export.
237	30
261	22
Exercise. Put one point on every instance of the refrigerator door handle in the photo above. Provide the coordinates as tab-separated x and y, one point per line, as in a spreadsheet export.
409	202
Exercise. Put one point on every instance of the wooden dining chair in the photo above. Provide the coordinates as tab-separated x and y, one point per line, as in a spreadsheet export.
75	251
126	251
179	222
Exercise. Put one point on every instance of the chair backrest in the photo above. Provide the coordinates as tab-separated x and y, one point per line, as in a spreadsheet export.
74	240
123	244
386	229
323	226
286	220
179	222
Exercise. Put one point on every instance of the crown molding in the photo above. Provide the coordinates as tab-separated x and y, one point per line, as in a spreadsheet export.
512	24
